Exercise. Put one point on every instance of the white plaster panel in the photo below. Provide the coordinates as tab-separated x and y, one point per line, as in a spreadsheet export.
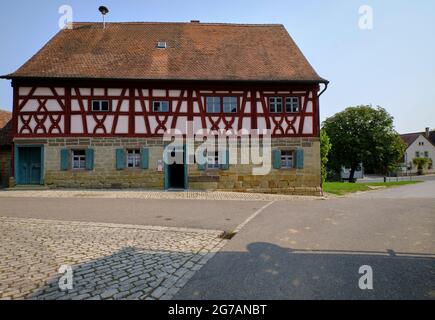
31	105
309	106
261	123
246	123
98	92
183	107
60	91
308	125
296	124
159	93
174	93
53	105
24	91
181	124
153	124
195	107
85	91
32	124
91	123
122	127
114	92
76	124
75	106
248	107
125	106
139	123
197	124
43	92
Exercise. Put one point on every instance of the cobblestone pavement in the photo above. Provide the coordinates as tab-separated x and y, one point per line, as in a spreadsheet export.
139	194
109	261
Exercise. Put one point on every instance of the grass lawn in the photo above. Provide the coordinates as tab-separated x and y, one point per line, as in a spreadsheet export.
341	188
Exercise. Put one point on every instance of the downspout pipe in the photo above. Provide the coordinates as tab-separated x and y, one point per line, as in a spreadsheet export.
324	89
326	83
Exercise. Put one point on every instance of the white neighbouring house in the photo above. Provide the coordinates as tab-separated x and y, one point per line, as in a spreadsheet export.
419	145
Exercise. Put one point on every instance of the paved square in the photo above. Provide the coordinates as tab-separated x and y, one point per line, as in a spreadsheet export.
109	261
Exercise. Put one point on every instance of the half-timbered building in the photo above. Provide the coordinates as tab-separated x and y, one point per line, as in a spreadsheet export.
91	107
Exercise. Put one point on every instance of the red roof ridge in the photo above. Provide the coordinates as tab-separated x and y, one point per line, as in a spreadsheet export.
78	23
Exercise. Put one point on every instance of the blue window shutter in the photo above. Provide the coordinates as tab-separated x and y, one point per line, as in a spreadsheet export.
300	159
90	159
145	157
276	154
226	164
64	159
120	159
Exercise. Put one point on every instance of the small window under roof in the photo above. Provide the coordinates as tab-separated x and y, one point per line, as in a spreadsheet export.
161	45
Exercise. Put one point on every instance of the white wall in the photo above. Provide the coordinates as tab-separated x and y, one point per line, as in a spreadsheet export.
414	147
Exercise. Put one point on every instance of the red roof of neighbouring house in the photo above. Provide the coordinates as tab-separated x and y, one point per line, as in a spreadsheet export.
5	128
195	51
409	138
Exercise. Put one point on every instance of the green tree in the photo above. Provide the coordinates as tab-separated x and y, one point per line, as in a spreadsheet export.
325	148
363	134
422	164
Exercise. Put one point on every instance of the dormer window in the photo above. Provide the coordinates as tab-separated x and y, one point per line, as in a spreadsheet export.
100	106
161	45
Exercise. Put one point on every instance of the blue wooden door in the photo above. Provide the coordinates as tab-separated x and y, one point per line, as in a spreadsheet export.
29	165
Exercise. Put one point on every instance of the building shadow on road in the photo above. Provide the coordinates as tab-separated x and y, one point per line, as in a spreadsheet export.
130	273
268	271
264	271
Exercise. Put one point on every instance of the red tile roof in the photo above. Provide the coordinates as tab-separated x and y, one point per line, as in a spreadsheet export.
5	128
195	51
409	138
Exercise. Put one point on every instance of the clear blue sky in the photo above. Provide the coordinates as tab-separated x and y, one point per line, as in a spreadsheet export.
392	65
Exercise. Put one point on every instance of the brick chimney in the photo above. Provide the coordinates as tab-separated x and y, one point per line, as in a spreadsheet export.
427	133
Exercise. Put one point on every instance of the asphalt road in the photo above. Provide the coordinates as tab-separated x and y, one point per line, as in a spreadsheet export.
293	249
214	215
313	250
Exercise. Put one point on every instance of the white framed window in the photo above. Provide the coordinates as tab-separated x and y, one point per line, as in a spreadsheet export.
417	154
426	154
287	159
230	104
100	106
213	160
292	104
213	104
275	104
78	159
161	106
133	158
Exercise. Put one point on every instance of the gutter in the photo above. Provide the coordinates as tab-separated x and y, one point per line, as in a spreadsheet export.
326	83
313	81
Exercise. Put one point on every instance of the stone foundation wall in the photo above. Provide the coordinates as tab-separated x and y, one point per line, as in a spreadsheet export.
5	166
238	177
105	175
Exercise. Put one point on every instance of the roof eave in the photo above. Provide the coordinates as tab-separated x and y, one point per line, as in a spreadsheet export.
305	81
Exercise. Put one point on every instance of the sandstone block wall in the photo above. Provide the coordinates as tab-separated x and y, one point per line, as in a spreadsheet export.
239	177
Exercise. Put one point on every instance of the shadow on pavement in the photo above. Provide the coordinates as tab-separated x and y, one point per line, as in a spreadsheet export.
130	273
268	271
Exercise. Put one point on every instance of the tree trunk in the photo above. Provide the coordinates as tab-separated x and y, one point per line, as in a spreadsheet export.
352	173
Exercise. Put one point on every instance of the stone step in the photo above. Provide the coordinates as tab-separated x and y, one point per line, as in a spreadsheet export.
28	188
